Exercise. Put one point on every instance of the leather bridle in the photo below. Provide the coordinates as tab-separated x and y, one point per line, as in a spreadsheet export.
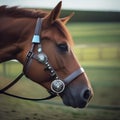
57	85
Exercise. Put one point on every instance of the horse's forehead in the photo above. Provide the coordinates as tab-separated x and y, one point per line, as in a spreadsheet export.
58	33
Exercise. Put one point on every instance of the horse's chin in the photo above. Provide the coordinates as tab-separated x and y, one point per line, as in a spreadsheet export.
74	104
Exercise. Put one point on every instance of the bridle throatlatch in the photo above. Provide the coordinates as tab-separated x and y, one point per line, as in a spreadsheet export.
57	85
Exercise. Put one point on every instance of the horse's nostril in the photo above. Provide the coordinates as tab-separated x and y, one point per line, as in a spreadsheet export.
87	94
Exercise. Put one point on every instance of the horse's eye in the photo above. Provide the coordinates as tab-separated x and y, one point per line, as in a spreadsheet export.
63	47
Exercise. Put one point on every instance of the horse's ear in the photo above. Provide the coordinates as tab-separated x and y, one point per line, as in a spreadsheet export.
66	19
54	14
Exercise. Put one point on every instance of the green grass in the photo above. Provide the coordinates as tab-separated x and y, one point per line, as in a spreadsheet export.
97	48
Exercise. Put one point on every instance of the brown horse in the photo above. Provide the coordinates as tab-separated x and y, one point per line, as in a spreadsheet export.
46	54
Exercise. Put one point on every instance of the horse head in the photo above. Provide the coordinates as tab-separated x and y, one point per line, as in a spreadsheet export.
48	60
57	45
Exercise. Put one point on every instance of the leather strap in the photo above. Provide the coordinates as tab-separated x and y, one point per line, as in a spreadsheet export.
74	75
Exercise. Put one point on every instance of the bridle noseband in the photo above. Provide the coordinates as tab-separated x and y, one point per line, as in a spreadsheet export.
57	85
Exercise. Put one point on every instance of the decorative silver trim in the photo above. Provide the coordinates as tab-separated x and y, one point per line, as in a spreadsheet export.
57	86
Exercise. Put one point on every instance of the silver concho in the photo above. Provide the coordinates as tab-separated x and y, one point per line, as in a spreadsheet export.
42	57
57	86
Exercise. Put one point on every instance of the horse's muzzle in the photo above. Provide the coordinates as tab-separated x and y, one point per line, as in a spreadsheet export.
76	99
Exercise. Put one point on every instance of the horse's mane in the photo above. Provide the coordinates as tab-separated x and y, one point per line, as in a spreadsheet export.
21	12
17	12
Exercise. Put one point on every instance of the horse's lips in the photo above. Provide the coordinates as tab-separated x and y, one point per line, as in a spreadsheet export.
74	104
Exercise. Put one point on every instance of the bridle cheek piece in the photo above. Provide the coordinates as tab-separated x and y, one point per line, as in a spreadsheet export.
57	85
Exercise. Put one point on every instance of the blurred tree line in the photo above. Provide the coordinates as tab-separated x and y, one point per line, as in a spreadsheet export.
93	16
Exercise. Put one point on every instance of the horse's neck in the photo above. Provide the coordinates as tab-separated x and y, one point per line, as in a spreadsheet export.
13	33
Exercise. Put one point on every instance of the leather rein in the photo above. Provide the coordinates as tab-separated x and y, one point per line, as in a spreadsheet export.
57	85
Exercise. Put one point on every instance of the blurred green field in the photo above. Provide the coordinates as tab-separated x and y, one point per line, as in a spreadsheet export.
97	52
95	33
105	81
97	48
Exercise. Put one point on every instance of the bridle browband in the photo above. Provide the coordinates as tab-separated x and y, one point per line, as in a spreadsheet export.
57	85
